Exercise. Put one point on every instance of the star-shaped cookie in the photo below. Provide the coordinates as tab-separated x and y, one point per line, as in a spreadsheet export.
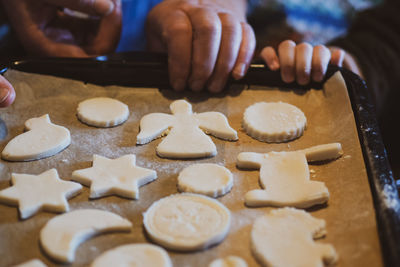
119	177
33	193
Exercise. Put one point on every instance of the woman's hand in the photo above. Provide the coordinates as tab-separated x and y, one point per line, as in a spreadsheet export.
302	62
205	40
43	27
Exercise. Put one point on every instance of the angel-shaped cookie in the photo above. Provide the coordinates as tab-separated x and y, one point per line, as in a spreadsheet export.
285	176
186	138
285	237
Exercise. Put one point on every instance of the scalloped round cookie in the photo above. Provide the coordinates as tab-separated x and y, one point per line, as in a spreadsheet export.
102	112
274	122
205	178
187	222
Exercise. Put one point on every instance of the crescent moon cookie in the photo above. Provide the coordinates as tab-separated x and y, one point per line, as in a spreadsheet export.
138	255
274	122
64	233
102	112
187	222
207	179
285	237
43	139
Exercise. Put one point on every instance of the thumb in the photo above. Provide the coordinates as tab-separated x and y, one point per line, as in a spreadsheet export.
91	7
7	93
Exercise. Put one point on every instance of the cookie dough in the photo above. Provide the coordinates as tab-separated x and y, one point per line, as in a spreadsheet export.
285	237
274	122
285	177
102	112
33	193
32	263
64	233
119	177
43	139
184	130
137	255
323	152
207	179
230	261
187	222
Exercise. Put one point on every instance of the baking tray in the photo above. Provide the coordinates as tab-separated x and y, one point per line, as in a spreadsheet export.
140	69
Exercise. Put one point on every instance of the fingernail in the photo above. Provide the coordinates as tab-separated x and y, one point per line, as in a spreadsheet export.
318	77
104	7
287	78
303	80
274	65
4	94
238	72
216	87
179	85
197	85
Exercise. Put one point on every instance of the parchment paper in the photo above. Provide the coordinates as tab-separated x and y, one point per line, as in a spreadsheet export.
350	216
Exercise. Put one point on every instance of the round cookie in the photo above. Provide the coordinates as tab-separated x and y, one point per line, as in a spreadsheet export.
230	261
274	122
207	179
139	255
187	222
102	112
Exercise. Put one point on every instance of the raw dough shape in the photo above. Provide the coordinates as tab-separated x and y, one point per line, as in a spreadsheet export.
43	139
186	138
64	233
285	237
102	112
323	152
135	255
32	263
230	261
119	177
33	193
187	222
274	122
285	177
207	179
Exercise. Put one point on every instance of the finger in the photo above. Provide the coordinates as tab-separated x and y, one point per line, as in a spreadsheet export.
7	93
246	52
337	56
230	43
303	60
177	35
286	51
320	60
108	34
92	7
206	42
268	54
32	37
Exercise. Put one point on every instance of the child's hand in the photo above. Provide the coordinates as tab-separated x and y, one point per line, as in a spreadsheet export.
7	93
302	62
